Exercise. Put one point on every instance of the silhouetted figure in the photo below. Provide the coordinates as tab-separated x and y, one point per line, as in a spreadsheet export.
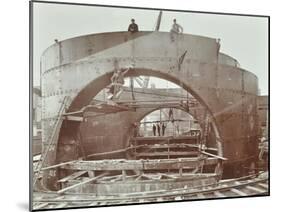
159	129
154	129
135	128
163	129
177	128
133	27
171	115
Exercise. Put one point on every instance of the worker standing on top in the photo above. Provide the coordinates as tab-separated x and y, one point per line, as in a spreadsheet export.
176	29
133	27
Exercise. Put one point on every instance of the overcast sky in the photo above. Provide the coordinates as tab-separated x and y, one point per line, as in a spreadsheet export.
244	38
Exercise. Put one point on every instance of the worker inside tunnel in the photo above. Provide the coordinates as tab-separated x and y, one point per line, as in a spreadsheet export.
168	122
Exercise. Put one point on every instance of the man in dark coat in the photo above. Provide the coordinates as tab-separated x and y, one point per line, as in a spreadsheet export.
154	129
163	129
159	129
171	115
133	27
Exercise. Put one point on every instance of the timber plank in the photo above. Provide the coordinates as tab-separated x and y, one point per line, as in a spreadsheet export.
236	191
219	194
255	189
138	164
82	183
43	205
263	185
72	176
166	153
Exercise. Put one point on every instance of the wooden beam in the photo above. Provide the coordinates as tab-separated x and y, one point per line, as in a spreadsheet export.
152	177
91	173
180	171
200	196
82	183
178	198
55	166
73	113
240	193
139	177
62	205
219	194
255	189
93	204
153	138
159	199
166	146
120	165
43	205
110	178
263	185
123	174
212	155
171	153
72	176
108	153
169	176
73	118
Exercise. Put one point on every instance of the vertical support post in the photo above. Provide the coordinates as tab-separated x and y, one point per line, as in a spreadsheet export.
158	21
132	87
180	170
91	174
123	174
219	170
168	148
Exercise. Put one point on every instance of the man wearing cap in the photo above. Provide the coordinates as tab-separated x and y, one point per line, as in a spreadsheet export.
133	27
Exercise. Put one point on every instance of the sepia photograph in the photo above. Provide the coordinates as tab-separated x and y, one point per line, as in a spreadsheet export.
138	105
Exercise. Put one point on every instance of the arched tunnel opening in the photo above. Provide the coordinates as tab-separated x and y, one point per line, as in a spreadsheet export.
114	130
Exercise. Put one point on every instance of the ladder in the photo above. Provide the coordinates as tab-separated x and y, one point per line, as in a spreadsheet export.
51	139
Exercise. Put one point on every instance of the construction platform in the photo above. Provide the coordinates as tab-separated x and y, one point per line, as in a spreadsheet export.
253	185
